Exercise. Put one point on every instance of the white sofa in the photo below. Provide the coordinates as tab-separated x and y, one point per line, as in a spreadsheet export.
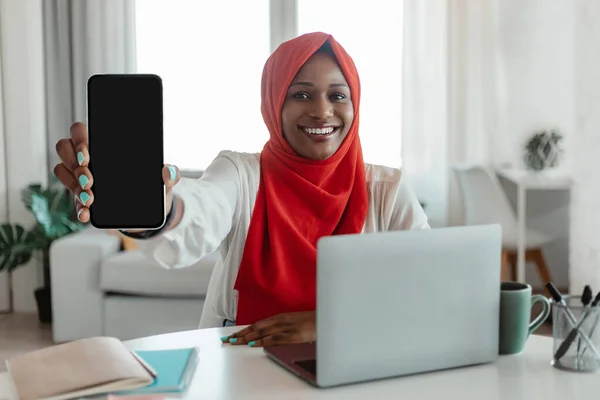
99	290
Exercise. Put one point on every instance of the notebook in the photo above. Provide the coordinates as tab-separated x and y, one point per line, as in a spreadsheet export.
174	370
84	367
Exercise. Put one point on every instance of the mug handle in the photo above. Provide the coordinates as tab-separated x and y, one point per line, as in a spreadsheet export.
536	323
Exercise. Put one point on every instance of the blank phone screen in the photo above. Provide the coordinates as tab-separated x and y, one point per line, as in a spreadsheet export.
125	133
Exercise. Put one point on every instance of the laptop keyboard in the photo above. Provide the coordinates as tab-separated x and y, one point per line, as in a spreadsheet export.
308	365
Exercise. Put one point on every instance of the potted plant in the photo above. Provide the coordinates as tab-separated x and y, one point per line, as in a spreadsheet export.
53	210
543	150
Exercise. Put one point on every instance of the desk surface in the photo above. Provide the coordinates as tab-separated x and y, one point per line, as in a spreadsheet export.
538	180
228	372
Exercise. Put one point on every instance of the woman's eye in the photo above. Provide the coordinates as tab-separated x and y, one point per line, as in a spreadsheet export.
306	96
301	95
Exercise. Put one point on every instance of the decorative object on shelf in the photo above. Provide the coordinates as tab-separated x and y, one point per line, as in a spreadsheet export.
543	150
55	217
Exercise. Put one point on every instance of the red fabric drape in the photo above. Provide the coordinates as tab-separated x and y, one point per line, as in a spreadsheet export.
299	200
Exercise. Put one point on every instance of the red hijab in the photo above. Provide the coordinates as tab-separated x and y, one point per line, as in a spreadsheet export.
299	200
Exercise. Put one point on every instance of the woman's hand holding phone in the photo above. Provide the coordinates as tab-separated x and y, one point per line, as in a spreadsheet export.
74	174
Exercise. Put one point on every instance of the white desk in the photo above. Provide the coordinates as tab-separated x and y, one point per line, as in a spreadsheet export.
228	372
525	181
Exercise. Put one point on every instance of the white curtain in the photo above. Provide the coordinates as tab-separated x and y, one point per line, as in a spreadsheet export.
585	214
82	38
23	127
454	98
5	278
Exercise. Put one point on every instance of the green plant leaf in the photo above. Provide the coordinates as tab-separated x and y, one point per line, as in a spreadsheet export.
16	247
53	212
52	209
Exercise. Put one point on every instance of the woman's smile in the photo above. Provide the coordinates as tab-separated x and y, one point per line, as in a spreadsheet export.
320	133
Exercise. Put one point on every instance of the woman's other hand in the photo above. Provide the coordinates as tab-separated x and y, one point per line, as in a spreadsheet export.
298	327
74	174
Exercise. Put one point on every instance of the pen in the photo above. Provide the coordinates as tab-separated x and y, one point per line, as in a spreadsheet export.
586	298
558	298
564	347
596	321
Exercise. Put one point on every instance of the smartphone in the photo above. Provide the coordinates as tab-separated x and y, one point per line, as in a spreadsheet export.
125	134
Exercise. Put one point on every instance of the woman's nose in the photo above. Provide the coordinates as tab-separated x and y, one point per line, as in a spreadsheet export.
321	109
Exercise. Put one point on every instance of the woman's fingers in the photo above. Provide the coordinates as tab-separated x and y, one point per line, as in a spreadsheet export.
79	139
84	177
73	171
84	197
276	323
275	340
83	213
73	154
66	152
170	175
259	334
257	326
80	177
66	177
237	336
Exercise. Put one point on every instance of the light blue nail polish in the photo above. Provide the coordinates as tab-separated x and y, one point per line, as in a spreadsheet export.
172	172
84	197
251	344
232	340
80	157
83	180
224	339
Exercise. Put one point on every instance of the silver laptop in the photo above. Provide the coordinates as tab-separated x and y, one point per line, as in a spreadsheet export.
399	303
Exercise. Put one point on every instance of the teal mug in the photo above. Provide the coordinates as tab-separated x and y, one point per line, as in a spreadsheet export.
516	302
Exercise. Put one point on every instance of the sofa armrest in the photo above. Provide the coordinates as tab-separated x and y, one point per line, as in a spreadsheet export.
77	301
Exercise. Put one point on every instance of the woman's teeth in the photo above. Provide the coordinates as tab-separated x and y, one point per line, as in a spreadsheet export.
319	131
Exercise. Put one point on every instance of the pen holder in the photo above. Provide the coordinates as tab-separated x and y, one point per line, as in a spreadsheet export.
576	335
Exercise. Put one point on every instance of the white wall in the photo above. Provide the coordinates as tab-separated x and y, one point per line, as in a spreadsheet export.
538	45
21	42
585	214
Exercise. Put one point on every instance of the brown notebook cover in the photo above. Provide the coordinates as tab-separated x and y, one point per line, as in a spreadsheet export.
83	367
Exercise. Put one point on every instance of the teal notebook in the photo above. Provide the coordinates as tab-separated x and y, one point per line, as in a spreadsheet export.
174	370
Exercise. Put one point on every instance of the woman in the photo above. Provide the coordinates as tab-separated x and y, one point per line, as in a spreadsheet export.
265	212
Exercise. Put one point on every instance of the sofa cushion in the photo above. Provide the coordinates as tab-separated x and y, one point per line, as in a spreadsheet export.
131	272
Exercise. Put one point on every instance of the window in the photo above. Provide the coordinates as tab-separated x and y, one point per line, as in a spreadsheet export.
371	32
210	55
